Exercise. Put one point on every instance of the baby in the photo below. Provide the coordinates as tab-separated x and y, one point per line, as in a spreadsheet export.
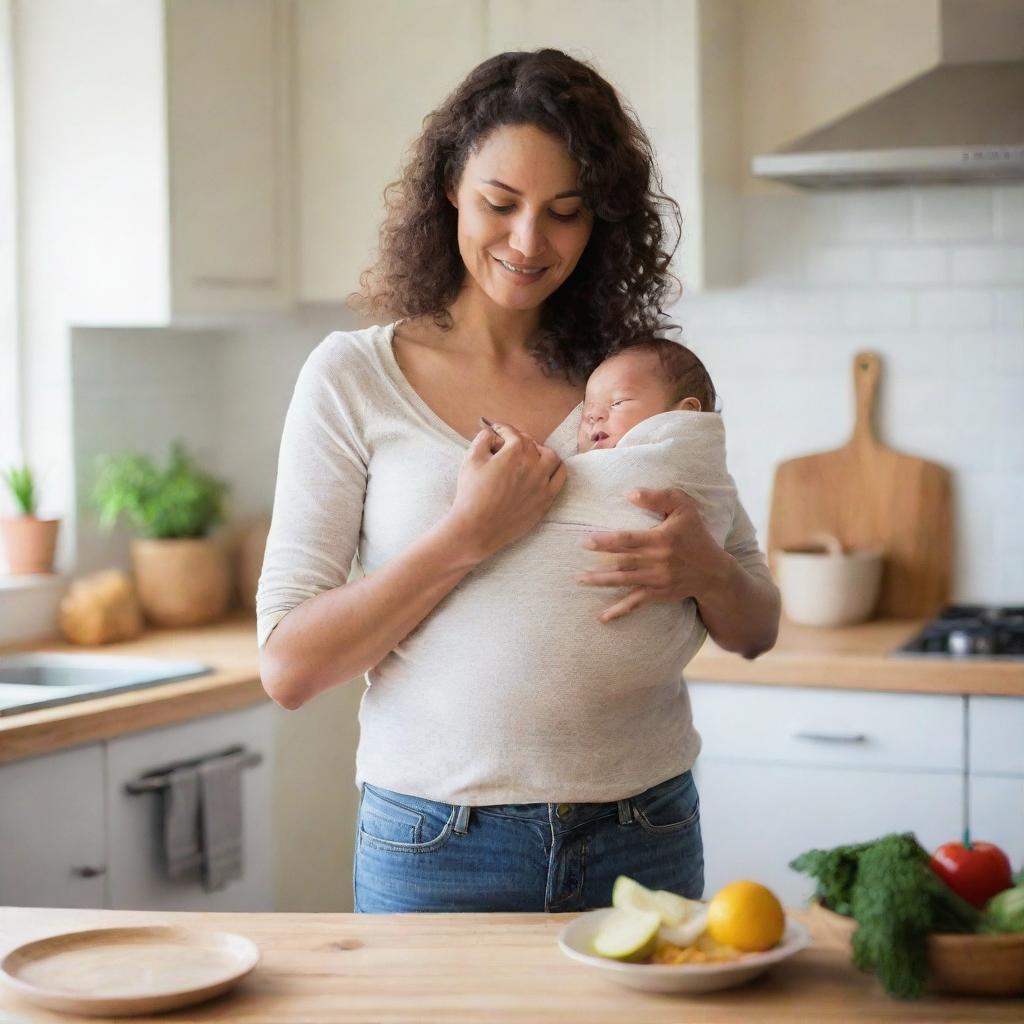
638	381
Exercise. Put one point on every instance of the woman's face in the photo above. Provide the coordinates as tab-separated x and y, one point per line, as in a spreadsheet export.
522	222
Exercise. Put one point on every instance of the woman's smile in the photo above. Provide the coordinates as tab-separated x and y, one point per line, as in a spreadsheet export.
522	224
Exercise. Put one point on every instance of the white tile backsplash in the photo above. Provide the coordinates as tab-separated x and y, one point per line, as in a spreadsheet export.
925	277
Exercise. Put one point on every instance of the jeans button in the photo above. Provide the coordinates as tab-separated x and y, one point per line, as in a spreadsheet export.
563	810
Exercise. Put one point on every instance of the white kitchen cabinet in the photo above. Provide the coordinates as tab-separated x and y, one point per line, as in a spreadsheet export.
137	877
53	830
360	103
227	122
997	773
756	817
997	814
154	154
366	76
674	61
786	769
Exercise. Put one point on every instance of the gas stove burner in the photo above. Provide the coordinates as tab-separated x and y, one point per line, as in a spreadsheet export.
971	631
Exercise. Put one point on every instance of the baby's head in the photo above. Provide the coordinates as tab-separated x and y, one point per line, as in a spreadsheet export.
639	380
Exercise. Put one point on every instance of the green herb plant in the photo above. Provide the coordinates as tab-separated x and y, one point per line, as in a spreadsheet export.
179	501
22	484
896	899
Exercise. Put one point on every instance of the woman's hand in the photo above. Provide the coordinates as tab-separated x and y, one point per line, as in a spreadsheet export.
670	562
502	495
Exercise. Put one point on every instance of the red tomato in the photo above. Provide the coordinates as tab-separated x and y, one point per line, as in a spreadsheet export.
976	872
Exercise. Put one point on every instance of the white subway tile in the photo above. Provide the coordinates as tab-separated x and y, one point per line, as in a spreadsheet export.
1010	308
878	309
796	309
1008	355
1005	410
935	354
839	265
977	559
874	216
953	214
955	308
989	265
1009	539
901	265
1009	211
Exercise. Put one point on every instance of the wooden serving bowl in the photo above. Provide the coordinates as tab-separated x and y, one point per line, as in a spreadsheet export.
976	965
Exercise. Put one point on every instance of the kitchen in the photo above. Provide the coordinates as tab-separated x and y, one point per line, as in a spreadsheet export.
145	307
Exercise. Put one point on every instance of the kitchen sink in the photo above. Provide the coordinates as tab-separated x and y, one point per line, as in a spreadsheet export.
40	680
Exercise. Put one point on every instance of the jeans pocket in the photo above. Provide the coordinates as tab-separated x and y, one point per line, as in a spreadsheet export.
410	824
670	807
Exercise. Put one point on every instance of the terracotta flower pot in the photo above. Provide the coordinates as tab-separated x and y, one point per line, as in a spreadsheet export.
182	581
30	544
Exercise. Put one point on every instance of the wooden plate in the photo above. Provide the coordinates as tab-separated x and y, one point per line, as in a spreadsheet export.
120	971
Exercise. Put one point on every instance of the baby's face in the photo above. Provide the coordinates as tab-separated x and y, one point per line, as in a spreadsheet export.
622	391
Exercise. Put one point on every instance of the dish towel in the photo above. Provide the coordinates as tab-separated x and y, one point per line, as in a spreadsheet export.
181	823
220	803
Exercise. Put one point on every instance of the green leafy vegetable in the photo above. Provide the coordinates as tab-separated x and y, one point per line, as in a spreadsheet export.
888	887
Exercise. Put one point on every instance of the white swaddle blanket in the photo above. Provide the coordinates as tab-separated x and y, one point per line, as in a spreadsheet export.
530	587
673	449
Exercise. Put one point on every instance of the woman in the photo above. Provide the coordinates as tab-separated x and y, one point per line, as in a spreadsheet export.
522	242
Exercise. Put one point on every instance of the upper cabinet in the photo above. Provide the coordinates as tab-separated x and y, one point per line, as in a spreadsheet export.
363	90
153	158
366	75
227	67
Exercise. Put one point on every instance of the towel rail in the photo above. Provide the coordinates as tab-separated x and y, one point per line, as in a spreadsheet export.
157	779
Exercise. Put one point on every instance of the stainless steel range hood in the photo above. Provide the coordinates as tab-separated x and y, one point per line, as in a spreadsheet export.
960	122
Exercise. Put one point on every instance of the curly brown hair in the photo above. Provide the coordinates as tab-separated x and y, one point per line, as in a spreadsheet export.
618	287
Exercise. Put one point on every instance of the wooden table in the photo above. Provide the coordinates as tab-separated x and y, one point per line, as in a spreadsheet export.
338	968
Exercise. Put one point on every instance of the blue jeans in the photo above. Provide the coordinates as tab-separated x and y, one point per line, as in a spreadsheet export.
414	854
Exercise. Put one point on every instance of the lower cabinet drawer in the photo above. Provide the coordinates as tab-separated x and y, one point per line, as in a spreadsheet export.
840	728
997	735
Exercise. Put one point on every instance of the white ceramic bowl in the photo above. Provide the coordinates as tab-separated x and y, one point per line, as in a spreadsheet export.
577	942
827	589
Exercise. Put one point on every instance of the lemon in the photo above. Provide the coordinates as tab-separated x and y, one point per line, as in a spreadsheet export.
746	915
628	934
682	921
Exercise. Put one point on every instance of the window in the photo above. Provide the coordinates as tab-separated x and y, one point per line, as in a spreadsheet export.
9	398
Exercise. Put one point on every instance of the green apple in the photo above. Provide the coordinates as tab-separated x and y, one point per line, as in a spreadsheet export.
683	921
628	934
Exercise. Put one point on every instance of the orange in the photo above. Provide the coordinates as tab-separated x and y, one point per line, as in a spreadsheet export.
747	916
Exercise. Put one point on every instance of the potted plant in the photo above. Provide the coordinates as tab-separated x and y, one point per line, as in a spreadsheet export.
28	541
182	576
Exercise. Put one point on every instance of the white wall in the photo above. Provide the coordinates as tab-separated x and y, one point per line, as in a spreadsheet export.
933	280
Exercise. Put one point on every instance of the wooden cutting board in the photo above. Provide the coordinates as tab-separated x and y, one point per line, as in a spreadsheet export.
867	495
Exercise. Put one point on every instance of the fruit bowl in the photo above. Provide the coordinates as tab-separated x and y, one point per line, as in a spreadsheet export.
577	942
977	965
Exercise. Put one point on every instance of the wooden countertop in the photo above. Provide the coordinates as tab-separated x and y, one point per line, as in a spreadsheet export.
228	646
337	968
854	657
857	658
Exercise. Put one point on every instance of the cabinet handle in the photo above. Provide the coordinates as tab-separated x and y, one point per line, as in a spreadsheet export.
832	737
86	871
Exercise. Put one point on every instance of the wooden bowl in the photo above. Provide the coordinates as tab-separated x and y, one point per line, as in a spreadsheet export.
977	965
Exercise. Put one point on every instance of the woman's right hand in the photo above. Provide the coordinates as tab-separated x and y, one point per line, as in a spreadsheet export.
502	495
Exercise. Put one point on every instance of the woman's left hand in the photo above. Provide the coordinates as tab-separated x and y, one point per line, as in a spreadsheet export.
670	562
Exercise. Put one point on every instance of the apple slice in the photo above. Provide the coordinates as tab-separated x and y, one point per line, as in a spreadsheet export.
628	934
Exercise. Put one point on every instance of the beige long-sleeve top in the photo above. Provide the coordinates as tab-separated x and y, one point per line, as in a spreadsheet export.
510	690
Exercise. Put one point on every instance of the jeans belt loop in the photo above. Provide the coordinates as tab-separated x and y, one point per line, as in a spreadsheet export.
625	812
462	820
